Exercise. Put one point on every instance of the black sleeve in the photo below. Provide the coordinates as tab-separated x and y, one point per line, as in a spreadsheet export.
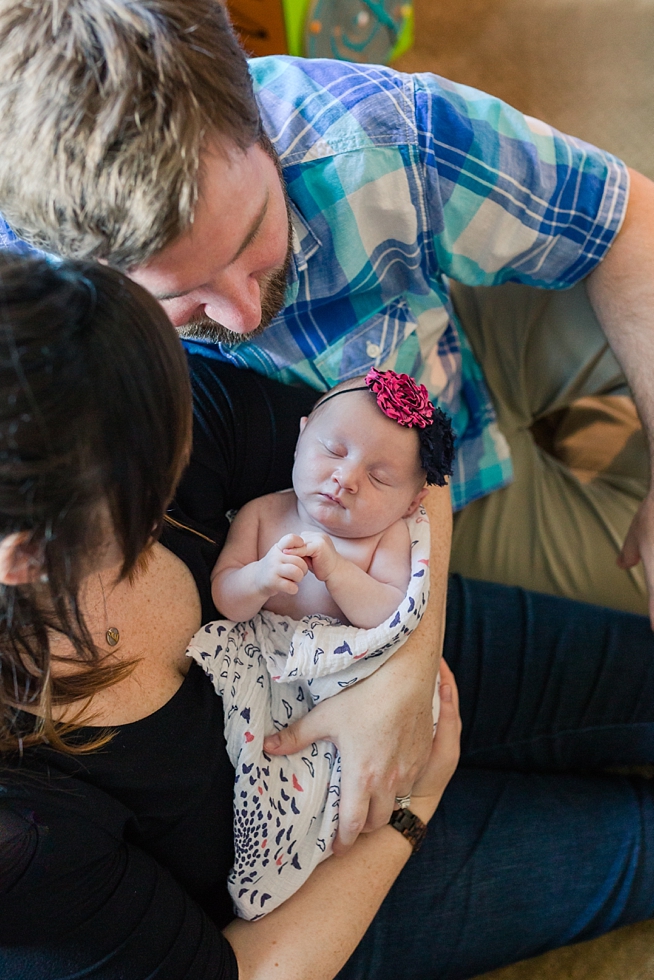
244	431
76	900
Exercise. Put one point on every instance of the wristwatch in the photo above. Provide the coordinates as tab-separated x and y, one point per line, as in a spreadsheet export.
410	826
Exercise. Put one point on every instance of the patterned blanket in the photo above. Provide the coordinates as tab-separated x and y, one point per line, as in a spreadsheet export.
270	671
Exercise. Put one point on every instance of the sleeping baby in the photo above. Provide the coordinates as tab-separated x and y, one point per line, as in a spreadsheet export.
321	583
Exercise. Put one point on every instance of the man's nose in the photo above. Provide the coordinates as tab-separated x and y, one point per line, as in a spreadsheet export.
236	306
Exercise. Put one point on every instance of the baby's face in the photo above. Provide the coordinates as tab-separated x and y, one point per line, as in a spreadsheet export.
356	471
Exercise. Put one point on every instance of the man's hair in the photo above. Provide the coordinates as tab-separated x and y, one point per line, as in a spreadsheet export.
105	107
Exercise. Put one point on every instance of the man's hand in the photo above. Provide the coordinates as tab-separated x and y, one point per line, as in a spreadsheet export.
639	545
318	548
621	290
279	571
383	728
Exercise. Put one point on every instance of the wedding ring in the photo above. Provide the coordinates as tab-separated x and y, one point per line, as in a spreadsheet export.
404	802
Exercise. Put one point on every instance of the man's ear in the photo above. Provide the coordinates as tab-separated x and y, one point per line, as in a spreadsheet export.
20	559
415	503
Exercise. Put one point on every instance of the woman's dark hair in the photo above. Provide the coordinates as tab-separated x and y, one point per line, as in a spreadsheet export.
95	417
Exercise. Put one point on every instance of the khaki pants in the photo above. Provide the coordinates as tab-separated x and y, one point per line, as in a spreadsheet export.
579	452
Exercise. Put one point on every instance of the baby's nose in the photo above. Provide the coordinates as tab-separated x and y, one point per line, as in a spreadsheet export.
347	478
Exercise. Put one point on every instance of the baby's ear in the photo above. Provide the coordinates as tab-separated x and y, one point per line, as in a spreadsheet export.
303	422
415	503
20	559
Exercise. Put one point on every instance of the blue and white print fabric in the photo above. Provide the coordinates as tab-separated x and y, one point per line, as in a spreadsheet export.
397	182
270	672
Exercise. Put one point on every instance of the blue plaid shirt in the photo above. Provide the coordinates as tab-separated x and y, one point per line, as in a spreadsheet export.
396	183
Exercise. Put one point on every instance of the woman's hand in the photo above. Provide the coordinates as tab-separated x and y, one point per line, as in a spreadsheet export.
383	728
332	910
446	750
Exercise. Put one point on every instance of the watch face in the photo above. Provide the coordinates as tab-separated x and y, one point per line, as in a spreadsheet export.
353	30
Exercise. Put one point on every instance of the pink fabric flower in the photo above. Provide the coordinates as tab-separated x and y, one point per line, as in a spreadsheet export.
400	398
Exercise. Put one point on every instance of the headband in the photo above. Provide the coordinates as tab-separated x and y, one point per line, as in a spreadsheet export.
404	401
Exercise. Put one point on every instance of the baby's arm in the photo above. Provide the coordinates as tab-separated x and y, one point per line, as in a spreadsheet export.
365	598
241	583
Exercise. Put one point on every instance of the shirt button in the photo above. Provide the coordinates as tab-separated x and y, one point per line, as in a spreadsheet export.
373	350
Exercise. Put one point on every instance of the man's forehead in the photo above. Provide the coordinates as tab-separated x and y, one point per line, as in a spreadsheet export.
231	207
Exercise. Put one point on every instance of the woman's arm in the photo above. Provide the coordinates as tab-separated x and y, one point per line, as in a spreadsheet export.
383	726
312	935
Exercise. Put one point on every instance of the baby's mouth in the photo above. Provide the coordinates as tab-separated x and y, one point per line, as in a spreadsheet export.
332	499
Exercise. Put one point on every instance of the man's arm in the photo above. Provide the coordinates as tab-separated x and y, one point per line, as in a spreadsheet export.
383	725
621	290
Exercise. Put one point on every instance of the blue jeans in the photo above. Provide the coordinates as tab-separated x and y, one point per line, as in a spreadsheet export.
534	844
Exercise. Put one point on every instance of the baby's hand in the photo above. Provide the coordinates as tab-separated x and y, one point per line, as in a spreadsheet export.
318	548
279	570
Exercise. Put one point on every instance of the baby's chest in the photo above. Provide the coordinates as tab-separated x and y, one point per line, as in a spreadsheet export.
312	597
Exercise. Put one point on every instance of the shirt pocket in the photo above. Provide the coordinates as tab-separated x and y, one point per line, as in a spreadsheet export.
367	345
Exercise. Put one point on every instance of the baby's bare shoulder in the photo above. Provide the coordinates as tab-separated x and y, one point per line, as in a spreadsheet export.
269	505
275	506
397	535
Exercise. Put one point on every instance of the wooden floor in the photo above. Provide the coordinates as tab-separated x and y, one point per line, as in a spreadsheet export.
586	67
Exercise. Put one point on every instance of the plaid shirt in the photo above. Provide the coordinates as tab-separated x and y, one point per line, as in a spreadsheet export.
396	183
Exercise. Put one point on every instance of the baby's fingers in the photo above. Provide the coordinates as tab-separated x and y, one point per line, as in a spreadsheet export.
290	576
294	569
300	550
290	541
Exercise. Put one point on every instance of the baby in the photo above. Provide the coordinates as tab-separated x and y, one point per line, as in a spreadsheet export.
321	584
337	543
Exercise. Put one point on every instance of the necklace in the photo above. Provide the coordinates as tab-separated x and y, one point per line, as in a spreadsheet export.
112	636
112	633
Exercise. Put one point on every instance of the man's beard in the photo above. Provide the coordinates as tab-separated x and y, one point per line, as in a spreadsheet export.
272	290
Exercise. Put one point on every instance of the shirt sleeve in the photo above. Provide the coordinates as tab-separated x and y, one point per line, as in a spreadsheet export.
508	197
75	900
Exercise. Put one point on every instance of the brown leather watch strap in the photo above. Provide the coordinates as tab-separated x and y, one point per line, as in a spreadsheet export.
410	826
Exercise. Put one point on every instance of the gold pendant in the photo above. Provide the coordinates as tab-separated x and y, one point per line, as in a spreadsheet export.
112	636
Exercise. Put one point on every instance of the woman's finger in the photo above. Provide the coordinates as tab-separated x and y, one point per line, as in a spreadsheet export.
379	811
352	814
446	746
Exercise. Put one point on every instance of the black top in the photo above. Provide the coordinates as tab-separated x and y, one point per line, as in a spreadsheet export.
114	864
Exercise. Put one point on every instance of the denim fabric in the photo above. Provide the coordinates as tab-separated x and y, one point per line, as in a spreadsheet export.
534	845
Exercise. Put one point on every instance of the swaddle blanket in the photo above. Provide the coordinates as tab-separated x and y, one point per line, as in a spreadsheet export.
270	671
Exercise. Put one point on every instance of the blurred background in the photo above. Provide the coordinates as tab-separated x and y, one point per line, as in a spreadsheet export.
584	66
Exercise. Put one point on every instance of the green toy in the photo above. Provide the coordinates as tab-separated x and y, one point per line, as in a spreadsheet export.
367	31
